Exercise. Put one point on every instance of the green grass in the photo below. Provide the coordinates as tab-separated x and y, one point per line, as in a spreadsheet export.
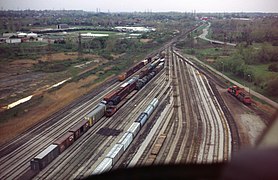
215	53
262	71
251	85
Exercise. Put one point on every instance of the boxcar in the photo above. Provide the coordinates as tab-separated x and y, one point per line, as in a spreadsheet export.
134	128
123	91
104	166
126	140
65	141
154	102
79	129
96	114
142	118
45	157
115	153
149	110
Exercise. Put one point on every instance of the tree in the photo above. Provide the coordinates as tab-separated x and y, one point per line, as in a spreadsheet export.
272	87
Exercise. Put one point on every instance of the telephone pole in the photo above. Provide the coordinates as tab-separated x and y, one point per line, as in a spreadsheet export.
79	46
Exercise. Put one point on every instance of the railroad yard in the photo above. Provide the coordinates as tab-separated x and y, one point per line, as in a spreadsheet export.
185	120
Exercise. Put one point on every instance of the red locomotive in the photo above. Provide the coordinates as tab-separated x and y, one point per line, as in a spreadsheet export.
240	94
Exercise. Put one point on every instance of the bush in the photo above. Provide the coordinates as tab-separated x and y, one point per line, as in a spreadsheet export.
272	87
273	67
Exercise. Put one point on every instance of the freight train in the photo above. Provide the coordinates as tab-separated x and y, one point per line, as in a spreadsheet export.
107	107
134	69
118	149
240	94
114	98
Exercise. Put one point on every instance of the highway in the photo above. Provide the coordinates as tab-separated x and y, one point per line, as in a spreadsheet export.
205	33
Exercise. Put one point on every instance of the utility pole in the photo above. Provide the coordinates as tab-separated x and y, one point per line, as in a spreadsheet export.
48	57
249	84
222	68
225	43
79	46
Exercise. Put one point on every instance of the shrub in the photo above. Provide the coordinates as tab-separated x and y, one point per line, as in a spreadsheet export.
273	67
272	87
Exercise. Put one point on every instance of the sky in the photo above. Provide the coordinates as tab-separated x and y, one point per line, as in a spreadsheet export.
145	5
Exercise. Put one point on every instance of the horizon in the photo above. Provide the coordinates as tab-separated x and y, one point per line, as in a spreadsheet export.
111	12
200	6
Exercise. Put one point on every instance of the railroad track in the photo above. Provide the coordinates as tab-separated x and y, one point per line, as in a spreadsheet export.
199	129
17	162
67	166
162	95
211	82
16	155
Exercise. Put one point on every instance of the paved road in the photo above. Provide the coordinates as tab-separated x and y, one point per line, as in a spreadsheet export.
205	33
253	93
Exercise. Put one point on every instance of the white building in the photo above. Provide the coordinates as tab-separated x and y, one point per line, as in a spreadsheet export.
32	35
134	29
94	35
8	35
13	41
22	35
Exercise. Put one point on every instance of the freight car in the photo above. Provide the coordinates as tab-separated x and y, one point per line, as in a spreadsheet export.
65	141
133	69
115	153
103	108
119	94
115	97
134	129
104	166
96	114
240	94
79	129
45	157
126	140
144	116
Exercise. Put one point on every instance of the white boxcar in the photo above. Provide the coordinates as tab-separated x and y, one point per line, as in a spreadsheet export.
115	153
104	166
126	140
154	102
149	110
134	128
